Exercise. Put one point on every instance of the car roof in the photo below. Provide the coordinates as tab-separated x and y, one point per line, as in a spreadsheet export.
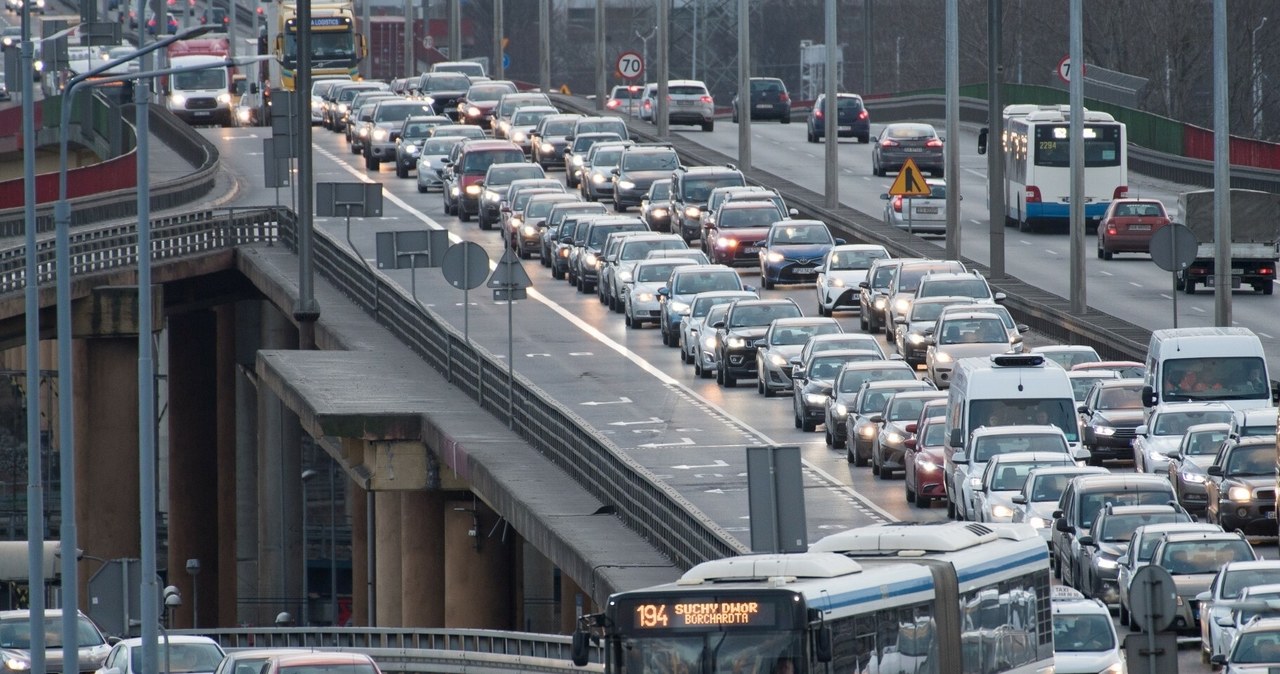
1261	625
846	352
1142	509
481	144
1190	406
1072	469
951	276
1191	536
895	383
1019	429
1063	348
1175	527
709	169
1252	440
804	320
1113	480
1031	457
873	364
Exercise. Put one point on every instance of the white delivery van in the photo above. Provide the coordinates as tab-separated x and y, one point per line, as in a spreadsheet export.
200	96
1207	364
1007	390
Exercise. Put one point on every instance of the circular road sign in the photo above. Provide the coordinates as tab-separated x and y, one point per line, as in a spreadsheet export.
1173	247
630	65
1152	598
465	265
1064	69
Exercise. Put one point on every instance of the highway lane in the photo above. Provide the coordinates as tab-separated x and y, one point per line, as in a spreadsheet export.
1130	286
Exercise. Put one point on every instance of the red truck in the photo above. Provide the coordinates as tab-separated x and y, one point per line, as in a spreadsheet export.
386	48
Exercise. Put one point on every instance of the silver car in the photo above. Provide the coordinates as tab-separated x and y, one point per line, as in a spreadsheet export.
1165	427
918	215
431	158
782	342
91	645
704	350
840	273
630	253
966	335
692	325
1004	478
1041	490
641	302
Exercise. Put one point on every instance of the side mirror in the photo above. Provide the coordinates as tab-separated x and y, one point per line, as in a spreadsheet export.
840	242
616	172
982	140
1081	454
1219	660
792	212
1087	540
863	284
1056	514
1023	327
664	292
1000	297
717	325
911	427
1175	455
822	644
506	209
909	443
876	418
1215	471
957	438
1204	597
1149	397
749	289
760	344
1061	525
1225	621
253	87
1018	499
581	652
1083	409
960	458
795	361
899	320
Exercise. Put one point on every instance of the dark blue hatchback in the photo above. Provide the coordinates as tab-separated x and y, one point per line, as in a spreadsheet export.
852	119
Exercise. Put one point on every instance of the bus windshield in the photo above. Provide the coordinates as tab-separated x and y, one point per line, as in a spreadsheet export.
1101	145
722	652
1008	412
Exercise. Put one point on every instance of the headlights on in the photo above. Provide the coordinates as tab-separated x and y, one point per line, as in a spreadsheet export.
880	303
736	343
1191	478
726	242
777	361
942	357
841	410
679	307
1239	494
590	259
224	98
814	399
474	190
1106	563
597	178
624	275
709	342
529	231
975	482
902	305
546	148
177	99
868	431
519	137
1001	512
1105	431
626	184
1038	522
775	257
381	135
411	148
645	297
692	212
837	283
659	213
491	196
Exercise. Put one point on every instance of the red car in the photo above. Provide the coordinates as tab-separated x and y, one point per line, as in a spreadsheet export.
1128	225
923	461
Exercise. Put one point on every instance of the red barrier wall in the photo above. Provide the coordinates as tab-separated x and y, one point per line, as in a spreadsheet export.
115	174
1197	143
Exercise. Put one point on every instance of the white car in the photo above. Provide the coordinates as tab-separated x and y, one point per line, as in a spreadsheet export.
690	103
1004	478
1216	602
965	467
1068	355
1256	649
1084	639
641	302
1256	601
1141	546
843	268
1164	430
431	157
919	215
1040	494
185	653
692	326
704	346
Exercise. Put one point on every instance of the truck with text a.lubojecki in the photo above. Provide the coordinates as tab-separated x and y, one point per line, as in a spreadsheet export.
202	94
1255	232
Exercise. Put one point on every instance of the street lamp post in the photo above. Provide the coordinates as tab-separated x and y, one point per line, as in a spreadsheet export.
1256	79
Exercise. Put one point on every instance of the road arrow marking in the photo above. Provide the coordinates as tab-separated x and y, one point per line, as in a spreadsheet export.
620	401
718	464
722	491
651	420
684	442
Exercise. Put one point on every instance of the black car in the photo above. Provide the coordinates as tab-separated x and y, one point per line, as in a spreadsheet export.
557	215
852	119
813	382
901	141
639	167
690	189
1109	417
655	207
1241	487
444	90
413	133
547	142
575	154
769	100
736	335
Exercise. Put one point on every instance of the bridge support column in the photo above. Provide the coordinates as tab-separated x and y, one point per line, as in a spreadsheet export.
279	489
357	502
387	558
106	428
193	465
224	604
422	548
537	596
478	567
248	316
573	603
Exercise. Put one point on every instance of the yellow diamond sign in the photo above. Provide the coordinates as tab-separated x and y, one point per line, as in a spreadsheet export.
910	182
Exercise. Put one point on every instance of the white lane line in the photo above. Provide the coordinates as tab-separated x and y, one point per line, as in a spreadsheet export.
1050	251
1136	285
607	341
1105	273
1167	297
1264	335
1024	242
1197	309
976	222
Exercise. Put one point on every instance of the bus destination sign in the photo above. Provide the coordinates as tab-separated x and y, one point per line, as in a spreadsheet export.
682	614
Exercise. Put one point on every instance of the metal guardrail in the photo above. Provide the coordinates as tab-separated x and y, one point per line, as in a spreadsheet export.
420	650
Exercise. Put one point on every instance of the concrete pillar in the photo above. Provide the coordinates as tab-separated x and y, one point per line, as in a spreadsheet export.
279	485
478	567
422	548
539	594
356	503
248	337
388	560
223	607
573	604
106	429
193	465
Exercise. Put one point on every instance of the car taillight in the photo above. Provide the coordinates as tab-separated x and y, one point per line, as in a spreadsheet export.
1111	230
863	114
934	142
705	99
887	142
818	113
1198	270
1267	271
613	103
1033	194
1120	192
897	204
784	97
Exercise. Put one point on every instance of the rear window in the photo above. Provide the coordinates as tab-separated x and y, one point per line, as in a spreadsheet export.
843	103
627	93
686	90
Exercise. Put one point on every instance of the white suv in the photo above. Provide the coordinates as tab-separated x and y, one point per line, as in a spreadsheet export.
689	102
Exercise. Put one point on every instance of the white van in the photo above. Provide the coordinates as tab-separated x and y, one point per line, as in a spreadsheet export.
1006	390
1207	364
473	69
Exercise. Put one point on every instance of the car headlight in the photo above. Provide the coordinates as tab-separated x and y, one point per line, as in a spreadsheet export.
15	663
1106	431
244	115
880	303
902	305
490	195
624	275
224	98
576	161
1105	563
363	131
841	410
679	307
473	111
474	190
454	191
626	184
975	482
893	437
837	283
915	338
1038	522
178	99
564	252
342	108
529	230
1193	478
547	148
1239	494
926	465
504	126
1116	668
597	178
645	297
692	212
658	212
775	258
777	361
1001	511
589	259
516	219
736	343
814	399
411	148
942	357
381	135
868	431
519	137
709	342
726	242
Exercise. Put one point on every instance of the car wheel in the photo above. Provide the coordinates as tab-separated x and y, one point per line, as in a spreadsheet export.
422	189
765	282
372	164
923	501
911	494
463	215
862	321
524	254
1107	255
556	273
730	381
848	455
822	310
703	372
626	319
735	114
951	510
864	139
401	172
719	375
786	118
1189	287
709	126
761	388
811	137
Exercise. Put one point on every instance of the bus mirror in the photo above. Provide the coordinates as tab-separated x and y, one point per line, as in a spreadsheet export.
581	648
1149	398
822	644
982	141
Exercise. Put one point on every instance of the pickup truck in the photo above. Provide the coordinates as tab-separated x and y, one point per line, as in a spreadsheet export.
1255	229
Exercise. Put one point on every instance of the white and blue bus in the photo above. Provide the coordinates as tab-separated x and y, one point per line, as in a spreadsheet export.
1037	165
886	599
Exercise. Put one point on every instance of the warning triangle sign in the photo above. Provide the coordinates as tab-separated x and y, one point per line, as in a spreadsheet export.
510	274
910	182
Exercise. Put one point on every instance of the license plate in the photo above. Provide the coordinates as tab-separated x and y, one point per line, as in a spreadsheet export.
1271	515
686	103
846	128
913	149
763	105
804	270
1211	280
1139	228
927	209
201	114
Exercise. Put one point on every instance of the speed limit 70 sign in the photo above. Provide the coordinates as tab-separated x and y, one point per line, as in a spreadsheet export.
630	65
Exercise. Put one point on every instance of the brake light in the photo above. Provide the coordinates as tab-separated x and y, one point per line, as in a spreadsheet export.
888	142
1033	194
934	142
1120	192
784	97
1267	271
818	113
897	204
1111	230
863	114
706	99
613	103
1198	270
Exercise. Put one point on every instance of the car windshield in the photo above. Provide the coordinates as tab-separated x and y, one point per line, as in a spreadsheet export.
797	335
1177	423
1256	648
654	273
417	130
742	218
761	314
445	81
976	288
540	207
988	446
581	144
518	203
717	313
827	367
707	281
702	305
455	131
601	126
1060	412
558	127
1091	504
973	331
479	162
15	633
1219	378
855	259
802	234
487	93
606	158
881	277
183	657
908	280
1203	556
650	161
638	250
852	380
1048	488
1080	385
529	117
698	189
660	191
926	311
847	341
213	78
1251	461
874	400
1234	581
1082	633
1120	398
399	113
505	174
1120	528
934	435
1204	443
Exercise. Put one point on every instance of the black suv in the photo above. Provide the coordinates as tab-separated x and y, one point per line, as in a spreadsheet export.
746	322
547	141
1108	540
1241	487
852	120
1082	500
690	188
444	90
769	100
639	167
1109	418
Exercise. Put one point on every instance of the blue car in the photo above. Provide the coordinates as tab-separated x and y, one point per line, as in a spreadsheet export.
793	251
677	295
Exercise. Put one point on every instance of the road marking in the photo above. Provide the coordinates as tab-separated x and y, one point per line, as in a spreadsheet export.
650	420
1136	285
1197	309
722	491
861	501
1024	242
684	442
537	355
1050	251
1264	335
581	353
620	401
718	464
1167	297
1105	273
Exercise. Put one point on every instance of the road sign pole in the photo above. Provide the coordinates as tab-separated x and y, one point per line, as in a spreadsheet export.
910	227
511	367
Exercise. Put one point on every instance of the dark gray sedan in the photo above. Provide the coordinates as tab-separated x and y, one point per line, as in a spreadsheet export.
907	140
